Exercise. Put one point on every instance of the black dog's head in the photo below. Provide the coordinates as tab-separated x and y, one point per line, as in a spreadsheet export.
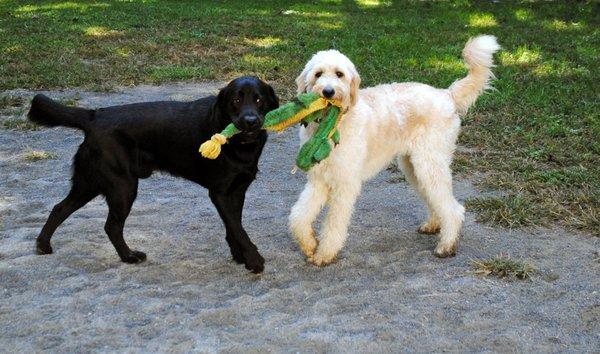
245	101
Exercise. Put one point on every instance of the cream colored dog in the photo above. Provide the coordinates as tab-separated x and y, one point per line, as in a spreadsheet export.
416	123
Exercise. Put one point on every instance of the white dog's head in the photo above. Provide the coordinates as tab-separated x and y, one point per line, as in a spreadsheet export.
332	75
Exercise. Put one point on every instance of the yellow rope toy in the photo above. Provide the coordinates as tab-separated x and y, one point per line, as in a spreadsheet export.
305	109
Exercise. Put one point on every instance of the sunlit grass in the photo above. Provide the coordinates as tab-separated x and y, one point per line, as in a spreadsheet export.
67	5
523	14
560	25
330	25
13	49
451	64
265	42
482	21
373	3
255	62
99	31
521	56
123	52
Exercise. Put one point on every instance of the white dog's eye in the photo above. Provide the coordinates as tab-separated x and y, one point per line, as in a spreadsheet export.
318	74
339	74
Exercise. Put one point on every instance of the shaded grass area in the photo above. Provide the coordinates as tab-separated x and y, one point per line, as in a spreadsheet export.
502	267
536	138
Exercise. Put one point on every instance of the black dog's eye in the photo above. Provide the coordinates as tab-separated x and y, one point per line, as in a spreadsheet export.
258	100
318	74
339	74
236	100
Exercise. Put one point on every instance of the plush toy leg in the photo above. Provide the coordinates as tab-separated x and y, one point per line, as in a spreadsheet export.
304	213
335	228
318	147
432	225
434	176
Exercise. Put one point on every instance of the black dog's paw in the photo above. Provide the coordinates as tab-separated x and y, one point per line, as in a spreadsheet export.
254	262
237	255
133	257
43	247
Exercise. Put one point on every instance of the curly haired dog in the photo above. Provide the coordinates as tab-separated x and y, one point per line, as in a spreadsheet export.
416	123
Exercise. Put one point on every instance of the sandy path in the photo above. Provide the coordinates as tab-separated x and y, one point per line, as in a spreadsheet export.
386	293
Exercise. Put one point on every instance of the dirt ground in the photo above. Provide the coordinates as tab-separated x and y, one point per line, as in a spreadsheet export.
387	292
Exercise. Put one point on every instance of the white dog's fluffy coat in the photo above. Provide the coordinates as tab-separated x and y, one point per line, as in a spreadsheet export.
414	122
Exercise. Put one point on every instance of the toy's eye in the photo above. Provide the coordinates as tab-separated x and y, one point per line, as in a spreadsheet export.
318	74
339	74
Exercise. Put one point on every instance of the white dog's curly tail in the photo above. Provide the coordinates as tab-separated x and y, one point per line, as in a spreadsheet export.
479	56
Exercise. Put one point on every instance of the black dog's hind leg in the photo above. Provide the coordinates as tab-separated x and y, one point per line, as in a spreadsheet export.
80	195
120	199
230	205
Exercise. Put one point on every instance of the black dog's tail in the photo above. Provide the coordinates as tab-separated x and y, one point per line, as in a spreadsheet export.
49	113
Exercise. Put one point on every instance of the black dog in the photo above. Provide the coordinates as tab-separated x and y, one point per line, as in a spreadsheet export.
125	143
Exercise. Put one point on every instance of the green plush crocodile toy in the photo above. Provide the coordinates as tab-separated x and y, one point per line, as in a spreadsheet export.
306	108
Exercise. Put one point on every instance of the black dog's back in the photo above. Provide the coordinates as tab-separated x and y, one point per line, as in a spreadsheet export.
128	142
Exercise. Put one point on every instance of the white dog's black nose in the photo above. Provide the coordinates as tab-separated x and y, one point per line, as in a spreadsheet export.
328	92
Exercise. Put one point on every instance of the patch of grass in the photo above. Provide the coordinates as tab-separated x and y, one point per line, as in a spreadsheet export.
38	155
72	102
10	102
20	124
502	266
175	72
506	211
535	137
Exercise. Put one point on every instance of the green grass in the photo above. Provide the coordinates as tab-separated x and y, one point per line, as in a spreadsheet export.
502	267
10	102
535	139
38	155
19	124
72	102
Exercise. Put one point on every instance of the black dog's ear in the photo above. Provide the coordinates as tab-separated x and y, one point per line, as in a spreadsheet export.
272	99
220	104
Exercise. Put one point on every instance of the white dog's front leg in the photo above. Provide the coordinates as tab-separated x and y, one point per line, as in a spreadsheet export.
304	213
335	227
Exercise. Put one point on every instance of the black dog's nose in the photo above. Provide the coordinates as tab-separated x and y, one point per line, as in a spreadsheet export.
328	92
251	120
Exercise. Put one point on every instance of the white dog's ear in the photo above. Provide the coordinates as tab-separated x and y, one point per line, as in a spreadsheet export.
354	86
301	80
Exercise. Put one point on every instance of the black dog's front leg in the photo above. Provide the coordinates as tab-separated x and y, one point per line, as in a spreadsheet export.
229	206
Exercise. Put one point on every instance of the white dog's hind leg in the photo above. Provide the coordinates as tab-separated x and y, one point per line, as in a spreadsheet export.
434	175
432	225
304	213
335	227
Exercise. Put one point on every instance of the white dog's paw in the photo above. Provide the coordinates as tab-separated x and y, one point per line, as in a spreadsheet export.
308	245
321	260
430	227
446	249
